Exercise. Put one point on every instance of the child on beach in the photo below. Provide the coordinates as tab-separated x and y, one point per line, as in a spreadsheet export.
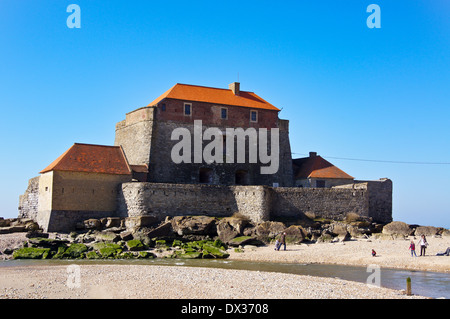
374	253
412	247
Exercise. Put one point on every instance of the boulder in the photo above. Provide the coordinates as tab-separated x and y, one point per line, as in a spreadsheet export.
245	240
112	222
75	251
194	225
46	242
107	250
140	221
134	245
426	230
267	231
338	229
126	235
295	234
230	227
106	236
163	230
93	224
446	232
12	229
397	229
31	253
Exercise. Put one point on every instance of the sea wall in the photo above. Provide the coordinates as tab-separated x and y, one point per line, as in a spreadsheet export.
161	200
258	203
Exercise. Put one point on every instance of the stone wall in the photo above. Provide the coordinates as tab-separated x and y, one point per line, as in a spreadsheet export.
379	197
134	134
320	202
258	203
161	200
29	201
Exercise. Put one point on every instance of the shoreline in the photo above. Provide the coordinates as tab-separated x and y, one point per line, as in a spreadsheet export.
390	254
175	282
179	282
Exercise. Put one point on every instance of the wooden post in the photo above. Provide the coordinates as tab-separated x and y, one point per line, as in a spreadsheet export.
408	286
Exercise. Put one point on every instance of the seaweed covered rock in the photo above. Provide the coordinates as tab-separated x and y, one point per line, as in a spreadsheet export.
75	251
134	245
201	249
31	253
107	250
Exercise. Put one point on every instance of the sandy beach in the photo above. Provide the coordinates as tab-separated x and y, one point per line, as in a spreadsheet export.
390	254
174	282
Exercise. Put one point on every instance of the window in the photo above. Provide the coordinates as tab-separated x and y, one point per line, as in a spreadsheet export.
163	107
224	113
187	109
205	176
242	177
320	183
253	116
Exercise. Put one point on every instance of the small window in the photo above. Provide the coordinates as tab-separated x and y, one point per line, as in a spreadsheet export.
320	183
163	107
242	177
253	116
205	176
187	109
224	113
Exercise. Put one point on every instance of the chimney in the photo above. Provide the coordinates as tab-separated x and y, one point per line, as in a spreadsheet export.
312	154
235	87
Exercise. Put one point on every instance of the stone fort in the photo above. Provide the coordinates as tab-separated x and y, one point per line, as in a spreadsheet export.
137	176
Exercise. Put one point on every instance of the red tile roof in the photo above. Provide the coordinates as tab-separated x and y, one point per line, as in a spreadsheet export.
315	166
92	159
214	95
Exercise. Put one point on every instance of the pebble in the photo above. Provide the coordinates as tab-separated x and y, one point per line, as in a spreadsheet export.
173	282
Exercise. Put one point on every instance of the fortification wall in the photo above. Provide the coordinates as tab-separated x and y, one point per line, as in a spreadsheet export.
258	203
134	134
320	202
29	201
379	197
161	200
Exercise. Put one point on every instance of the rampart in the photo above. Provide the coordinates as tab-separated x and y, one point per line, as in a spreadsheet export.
370	199
258	203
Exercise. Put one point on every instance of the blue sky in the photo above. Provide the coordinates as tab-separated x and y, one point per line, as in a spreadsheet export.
349	91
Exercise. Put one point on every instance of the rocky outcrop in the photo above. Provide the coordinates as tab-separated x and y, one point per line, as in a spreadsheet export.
194	225
397	229
14	225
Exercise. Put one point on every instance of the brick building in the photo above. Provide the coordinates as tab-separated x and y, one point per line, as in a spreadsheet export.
146	135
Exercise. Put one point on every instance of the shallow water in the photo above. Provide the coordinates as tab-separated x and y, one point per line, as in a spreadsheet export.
430	284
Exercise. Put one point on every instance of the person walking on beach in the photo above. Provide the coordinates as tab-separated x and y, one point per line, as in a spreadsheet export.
412	247
423	245
282	241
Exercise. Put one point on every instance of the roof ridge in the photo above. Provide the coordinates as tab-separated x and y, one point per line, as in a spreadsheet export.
89	144
210	87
